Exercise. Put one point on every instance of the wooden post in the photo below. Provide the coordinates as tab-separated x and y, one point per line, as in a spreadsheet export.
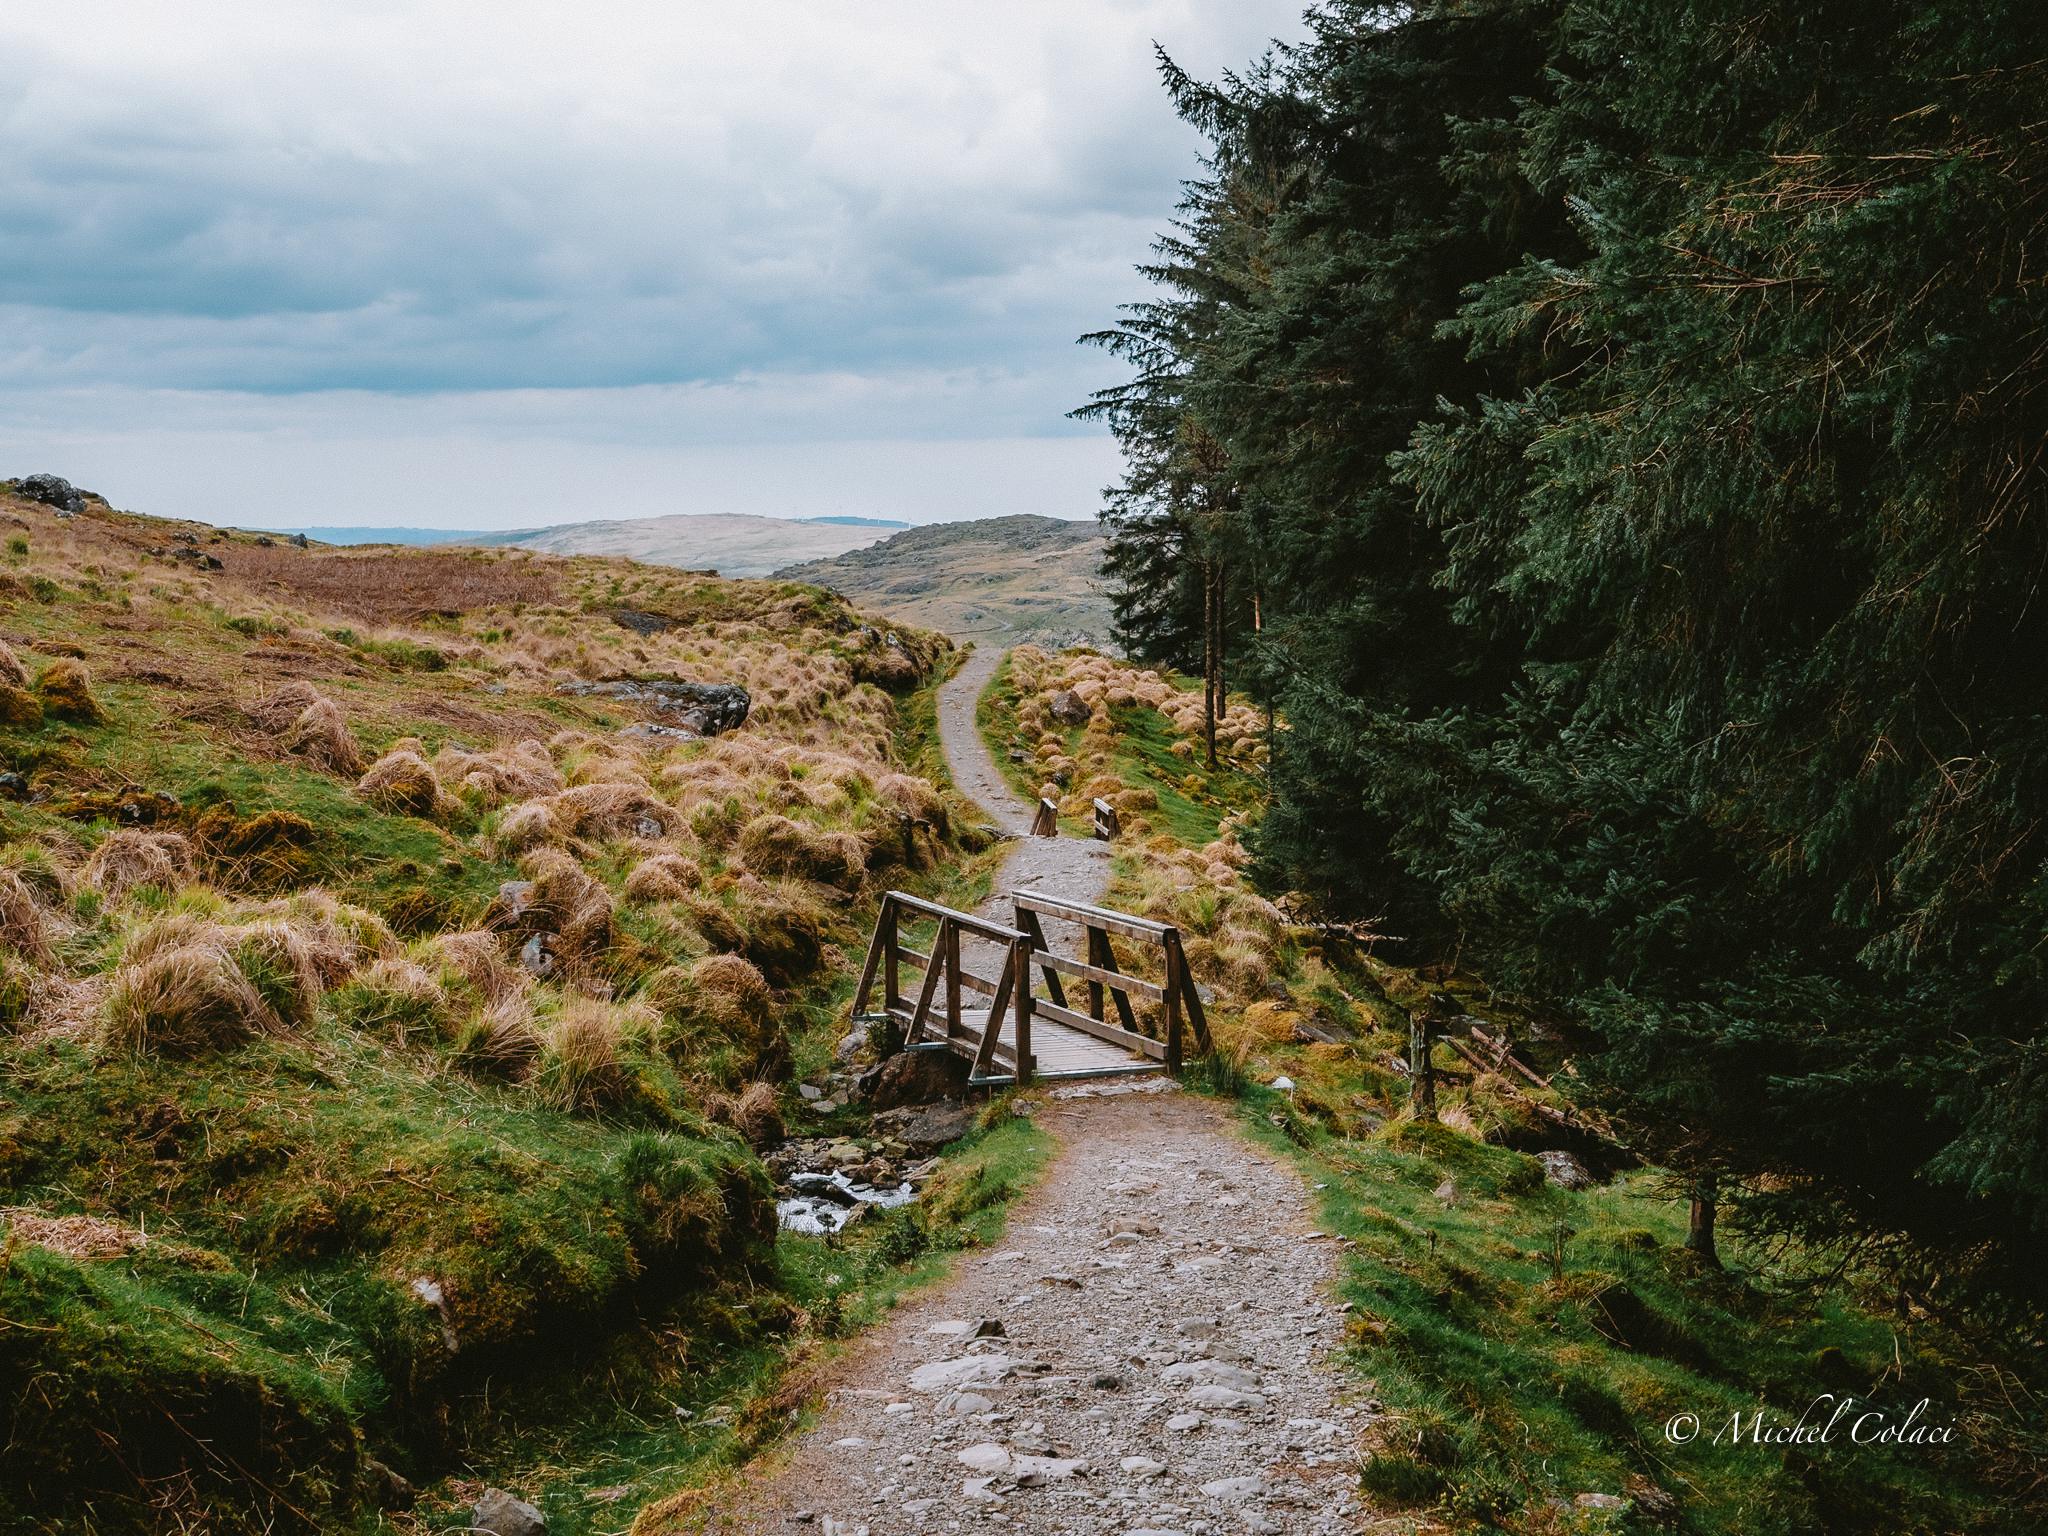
1176	976
1098	941
1421	1039
1023	1002
931	985
1699	1232
1197	1016
892	978
1047	822
950	933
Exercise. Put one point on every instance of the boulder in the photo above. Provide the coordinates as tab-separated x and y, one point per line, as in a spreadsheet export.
1068	707
916	1077
1564	1170
502	1515
923	1129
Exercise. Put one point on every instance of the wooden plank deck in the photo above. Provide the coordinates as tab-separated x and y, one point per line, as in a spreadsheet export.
1060	1050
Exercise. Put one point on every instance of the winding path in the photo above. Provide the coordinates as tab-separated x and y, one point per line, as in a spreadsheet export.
1149	1353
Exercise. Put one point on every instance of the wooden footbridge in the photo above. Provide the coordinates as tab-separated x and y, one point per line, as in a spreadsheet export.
978	980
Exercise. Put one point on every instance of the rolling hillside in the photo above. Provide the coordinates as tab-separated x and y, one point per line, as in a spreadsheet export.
998	579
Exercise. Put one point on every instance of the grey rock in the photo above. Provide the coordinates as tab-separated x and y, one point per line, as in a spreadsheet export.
1564	1170
537	954
502	1515
923	1129
917	1077
51	491
988	1458
1600	1501
652	730
706	709
1068	707
385	1488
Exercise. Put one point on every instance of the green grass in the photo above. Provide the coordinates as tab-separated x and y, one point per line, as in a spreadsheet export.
1145	760
399	866
995	717
1531	1343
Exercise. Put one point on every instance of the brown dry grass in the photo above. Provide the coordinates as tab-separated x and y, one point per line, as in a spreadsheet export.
402	782
320	734
131	857
386	586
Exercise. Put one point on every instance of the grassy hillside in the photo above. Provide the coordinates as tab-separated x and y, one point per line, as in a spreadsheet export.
996	580
736	544
1530	1342
389	1019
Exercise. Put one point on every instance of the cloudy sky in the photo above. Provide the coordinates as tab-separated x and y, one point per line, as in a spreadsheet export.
498	264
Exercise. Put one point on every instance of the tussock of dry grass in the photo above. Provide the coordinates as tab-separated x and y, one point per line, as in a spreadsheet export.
522	771
12	672
183	1000
501	1040
131	857
479	960
276	710
776	845
753	1112
320	734
569	902
402	782
65	691
663	877
25	926
612	810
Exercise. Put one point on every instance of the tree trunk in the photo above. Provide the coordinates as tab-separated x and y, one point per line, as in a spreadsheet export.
1209	660
1223	633
1699	1232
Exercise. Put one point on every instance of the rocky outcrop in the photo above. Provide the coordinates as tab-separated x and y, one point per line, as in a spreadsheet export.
703	709
52	491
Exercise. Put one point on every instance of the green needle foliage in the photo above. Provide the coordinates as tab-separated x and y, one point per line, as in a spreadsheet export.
1622	426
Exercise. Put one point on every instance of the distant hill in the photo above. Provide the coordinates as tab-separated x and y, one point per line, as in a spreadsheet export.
733	544
409	535
998	578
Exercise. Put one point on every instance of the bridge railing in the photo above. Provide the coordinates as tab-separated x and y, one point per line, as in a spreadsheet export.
1175	995
938	1011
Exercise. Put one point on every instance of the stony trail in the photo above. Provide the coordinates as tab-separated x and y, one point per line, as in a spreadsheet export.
1148	1352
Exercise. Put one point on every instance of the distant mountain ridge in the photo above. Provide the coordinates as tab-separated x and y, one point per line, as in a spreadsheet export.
1022	577
733	544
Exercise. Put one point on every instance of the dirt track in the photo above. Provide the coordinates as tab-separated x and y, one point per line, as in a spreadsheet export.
1147	1353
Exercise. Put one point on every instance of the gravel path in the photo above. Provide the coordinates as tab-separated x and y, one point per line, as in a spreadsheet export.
1147	1355
1153	1358
1073	867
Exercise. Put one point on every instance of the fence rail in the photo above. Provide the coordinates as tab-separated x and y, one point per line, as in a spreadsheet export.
1075	1037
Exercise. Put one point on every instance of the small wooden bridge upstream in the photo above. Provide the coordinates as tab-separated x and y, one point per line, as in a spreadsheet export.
999	994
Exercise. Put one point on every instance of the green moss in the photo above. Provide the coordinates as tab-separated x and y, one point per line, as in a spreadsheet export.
130	1395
